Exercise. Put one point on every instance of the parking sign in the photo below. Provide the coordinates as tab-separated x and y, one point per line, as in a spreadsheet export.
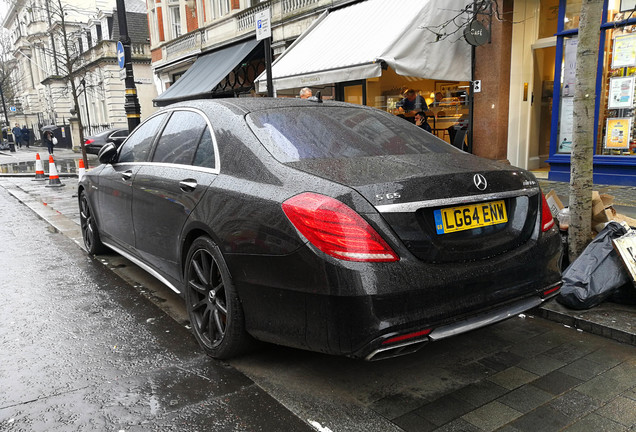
263	25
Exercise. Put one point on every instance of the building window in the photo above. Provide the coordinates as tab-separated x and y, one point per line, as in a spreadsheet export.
616	84
572	14
208	5
98	31
175	21
223	7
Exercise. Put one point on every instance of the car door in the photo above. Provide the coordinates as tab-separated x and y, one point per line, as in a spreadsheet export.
116	180
167	189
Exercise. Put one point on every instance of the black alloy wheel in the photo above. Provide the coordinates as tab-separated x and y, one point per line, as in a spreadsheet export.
90	234
214	309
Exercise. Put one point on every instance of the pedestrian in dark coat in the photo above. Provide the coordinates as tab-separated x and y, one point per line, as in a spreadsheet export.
17	135
47	139
25	136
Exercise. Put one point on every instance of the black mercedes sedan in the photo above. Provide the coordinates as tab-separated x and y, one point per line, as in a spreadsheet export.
329	227
94	143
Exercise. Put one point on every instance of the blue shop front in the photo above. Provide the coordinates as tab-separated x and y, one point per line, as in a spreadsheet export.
615	112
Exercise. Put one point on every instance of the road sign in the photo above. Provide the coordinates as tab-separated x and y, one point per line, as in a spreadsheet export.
263	24
121	56
12	109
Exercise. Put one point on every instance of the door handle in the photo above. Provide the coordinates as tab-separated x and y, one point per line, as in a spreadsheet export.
126	175
188	185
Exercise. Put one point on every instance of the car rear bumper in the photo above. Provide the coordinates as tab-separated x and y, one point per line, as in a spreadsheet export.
382	347
354	308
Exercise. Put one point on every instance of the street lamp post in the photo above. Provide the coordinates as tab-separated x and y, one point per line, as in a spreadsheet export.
88	115
131	104
4	106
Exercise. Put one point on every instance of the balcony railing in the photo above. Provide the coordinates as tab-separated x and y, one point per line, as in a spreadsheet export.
233	26
289	6
188	43
245	20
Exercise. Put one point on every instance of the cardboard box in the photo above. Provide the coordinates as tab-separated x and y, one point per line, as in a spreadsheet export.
626	248
600	205
602	210
554	202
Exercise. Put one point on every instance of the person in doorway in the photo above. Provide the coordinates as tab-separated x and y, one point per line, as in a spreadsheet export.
47	139
438	99
421	120
25	136
411	104
17	135
305	93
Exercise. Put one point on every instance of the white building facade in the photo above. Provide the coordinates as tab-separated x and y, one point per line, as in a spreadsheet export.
48	52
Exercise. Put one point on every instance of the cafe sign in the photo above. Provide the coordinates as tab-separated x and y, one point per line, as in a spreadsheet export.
476	34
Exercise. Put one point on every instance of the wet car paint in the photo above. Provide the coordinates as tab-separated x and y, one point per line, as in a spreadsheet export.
278	274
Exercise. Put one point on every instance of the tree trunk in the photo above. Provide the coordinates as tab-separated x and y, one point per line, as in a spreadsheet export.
581	168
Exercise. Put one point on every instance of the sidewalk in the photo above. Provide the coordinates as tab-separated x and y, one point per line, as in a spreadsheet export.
58	206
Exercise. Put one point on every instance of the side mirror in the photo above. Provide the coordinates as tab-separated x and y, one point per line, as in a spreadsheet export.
108	153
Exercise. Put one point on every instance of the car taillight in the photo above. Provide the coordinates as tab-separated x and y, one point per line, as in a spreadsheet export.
547	221
336	229
89	141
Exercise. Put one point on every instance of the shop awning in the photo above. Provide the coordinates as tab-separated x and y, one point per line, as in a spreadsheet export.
353	43
206	72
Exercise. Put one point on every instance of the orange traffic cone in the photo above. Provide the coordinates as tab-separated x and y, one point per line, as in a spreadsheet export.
39	169
54	178
81	171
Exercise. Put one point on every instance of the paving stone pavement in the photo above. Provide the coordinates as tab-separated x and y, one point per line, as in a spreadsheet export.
554	381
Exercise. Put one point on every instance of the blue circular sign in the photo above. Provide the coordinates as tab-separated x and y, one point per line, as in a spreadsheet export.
121	56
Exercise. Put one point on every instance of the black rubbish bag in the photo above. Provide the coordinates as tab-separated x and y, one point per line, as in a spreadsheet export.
596	274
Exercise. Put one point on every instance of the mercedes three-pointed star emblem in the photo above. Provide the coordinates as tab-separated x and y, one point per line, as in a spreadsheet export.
480	181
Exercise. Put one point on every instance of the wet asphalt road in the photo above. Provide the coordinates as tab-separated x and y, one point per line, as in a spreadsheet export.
82	351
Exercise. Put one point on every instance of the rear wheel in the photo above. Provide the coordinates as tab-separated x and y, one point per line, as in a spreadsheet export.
215	312
90	234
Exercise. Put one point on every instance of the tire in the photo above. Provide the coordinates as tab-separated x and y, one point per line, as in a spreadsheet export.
90	233
214	309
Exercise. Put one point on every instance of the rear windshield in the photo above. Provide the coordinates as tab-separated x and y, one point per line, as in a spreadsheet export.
293	134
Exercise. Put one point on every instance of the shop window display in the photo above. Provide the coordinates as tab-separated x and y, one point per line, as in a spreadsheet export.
616	99
620	10
616	135
572	14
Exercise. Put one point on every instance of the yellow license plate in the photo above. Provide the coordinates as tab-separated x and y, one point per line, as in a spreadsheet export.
453	219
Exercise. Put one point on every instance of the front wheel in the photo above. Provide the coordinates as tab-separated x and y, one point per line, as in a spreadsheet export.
215	312
90	234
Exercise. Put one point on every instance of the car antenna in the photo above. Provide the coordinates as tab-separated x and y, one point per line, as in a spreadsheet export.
317	98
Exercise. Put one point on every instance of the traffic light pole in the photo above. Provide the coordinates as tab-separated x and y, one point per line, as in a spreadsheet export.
131	105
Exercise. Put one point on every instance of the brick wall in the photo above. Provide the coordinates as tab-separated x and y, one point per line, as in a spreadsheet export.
156	55
192	22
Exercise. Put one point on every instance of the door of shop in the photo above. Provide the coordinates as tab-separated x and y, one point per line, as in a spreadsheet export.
352	92
541	107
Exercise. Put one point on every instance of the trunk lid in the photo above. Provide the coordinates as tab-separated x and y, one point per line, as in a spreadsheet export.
423	198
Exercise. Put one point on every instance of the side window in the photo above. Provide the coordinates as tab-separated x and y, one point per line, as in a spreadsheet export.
179	139
205	152
120	134
137	147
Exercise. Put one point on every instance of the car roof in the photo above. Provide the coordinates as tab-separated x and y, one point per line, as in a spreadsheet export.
252	104
107	132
